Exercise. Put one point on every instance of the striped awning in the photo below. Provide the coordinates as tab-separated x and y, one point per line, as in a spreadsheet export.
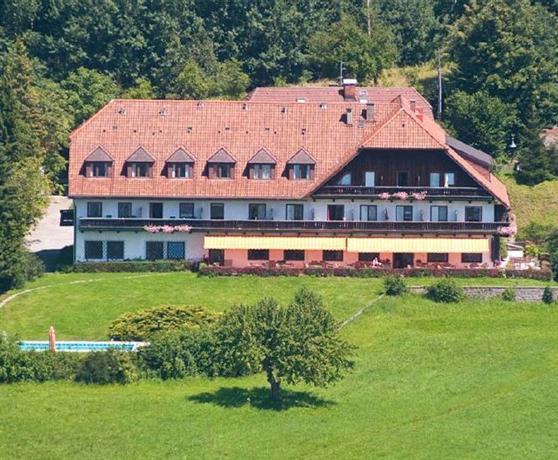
418	245
273	242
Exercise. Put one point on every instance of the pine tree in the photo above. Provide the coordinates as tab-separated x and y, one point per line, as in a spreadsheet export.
23	186
533	166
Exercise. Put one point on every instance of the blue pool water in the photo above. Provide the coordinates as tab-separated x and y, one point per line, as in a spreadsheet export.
29	345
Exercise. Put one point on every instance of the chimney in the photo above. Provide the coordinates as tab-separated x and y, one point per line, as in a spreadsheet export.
369	114
349	116
413	104
350	89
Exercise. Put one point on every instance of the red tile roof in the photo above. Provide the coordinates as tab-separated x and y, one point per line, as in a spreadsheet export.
220	129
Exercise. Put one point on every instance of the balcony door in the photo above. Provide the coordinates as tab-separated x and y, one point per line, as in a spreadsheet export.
217	211
403	260
369	179
156	210
335	212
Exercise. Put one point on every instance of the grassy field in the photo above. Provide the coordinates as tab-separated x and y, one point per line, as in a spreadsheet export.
537	204
82	306
474	380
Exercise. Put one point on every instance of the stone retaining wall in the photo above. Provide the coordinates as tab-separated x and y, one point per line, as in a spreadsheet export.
522	294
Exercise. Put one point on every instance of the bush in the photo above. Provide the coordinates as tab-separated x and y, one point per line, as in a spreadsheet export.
547	296
508	294
17	365
144	324
135	266
445	290
104	367
394	285
180	354
34	267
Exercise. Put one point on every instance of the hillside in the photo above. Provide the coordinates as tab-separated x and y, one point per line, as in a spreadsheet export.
538	204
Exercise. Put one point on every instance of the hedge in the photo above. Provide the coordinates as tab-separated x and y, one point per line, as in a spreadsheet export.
135	266
206	270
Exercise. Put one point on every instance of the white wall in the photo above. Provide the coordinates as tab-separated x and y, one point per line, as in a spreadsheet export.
238	209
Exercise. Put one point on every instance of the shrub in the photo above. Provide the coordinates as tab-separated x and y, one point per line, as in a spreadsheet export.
135	266
547	296
445	290
144	324
508	294
104	367
17	365
394	285
34	267
180	354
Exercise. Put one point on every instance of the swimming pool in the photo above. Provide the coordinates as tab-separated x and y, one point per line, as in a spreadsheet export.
80	346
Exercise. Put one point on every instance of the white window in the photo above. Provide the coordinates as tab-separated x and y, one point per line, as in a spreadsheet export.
449	179
369	179
439	213
301	171
404	213
345	179
434	179
262	171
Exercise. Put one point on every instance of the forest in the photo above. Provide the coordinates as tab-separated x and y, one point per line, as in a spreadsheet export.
62	60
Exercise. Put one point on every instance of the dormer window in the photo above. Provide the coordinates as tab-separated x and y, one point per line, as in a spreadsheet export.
180	165
98	164
301	166
221	165
261	166
139	164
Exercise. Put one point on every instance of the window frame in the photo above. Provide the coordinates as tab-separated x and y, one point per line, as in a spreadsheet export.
443	257
405	208
151	208
303	171
216	205
183	248
121	215
367	207
186	215
152	243
90	205
298	209
332	255
220	168
185	167
94	165
294	255
343	179
408	178
88	243
368	256
258	170
139	166
438	207
439	179
112	244
465	255
254	254
467	208
258	207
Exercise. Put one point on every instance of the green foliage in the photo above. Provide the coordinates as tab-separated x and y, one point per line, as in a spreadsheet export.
17	365
226	80
180	354
34	267
533	166
552	245
480	120
547	296
88	90
134	266
144	324
23	187
415	28
142	89
394	285
445	290
364	57
509	294
105	367
290	344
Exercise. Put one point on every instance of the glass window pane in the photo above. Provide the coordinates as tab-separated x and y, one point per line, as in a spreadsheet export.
124	210
176	250
94	209
293	254
370	179
295	212
434	179
186	210
449	179
154	250
473	214
437	257
115	250
217	211
258	254
93	250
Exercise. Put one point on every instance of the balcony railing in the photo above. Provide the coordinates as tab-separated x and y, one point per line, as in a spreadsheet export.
431	192
199	225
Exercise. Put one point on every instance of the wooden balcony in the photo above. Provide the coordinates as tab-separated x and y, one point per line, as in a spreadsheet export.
297	226
432	193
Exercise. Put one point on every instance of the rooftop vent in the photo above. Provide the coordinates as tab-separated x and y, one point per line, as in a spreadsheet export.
350	89
301	99
369	111
163	112
323	105
199	105
121	111
349	116
245	106
284	109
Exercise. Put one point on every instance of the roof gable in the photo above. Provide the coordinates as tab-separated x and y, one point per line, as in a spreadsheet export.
140	156
180	156
301	158
221	156
263	157
99	154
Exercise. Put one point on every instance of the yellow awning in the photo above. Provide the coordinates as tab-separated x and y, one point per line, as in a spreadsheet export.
273	242
418	245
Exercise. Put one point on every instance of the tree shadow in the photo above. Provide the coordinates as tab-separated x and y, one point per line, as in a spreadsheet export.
259	398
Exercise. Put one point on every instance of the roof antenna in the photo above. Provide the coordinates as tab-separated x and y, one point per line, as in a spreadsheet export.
341	69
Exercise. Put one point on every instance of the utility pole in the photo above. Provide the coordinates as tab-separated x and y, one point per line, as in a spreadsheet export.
341	69
440	92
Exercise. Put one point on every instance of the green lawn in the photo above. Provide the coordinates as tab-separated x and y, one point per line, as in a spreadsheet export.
474	380
82	306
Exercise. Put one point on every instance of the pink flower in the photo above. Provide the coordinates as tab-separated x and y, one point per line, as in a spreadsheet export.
384	196
419	195
401	195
